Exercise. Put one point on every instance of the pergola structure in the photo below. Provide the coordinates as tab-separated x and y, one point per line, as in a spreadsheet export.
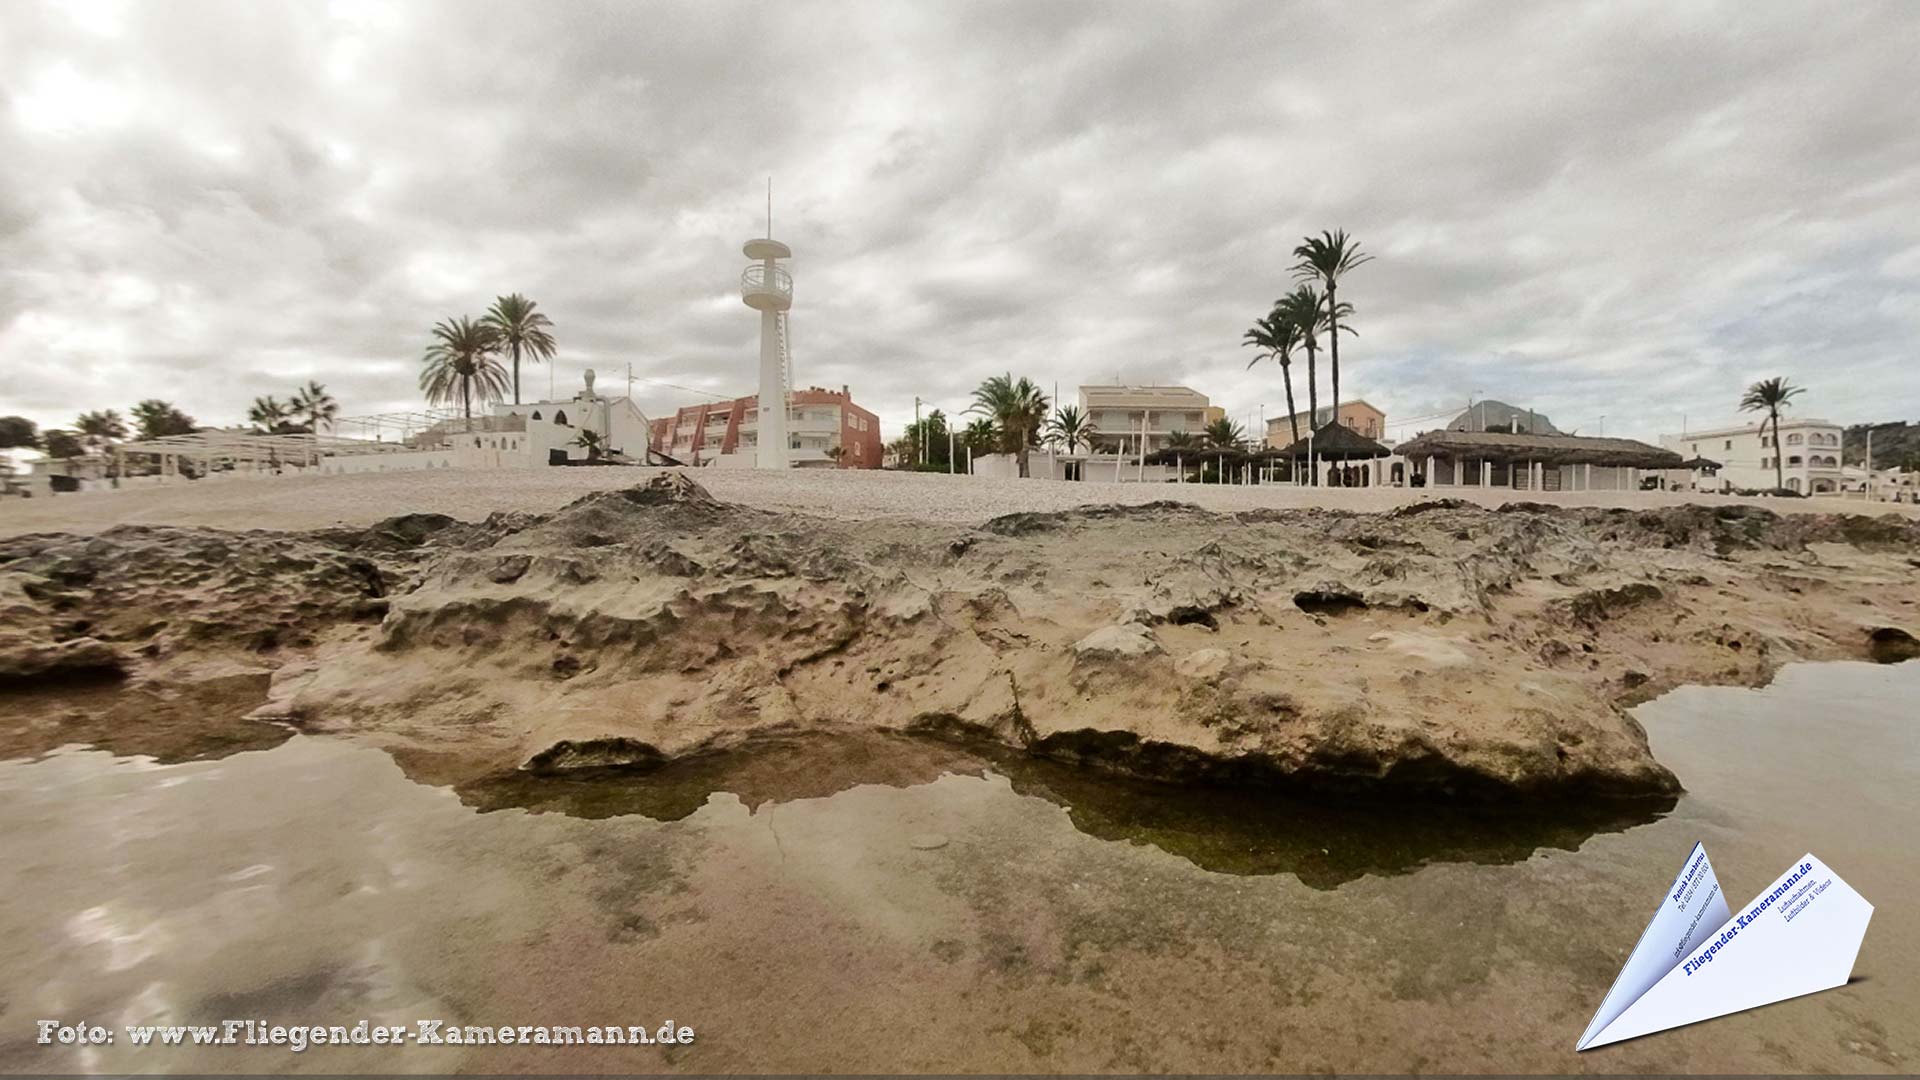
254	451
1531	462
399	426
240	450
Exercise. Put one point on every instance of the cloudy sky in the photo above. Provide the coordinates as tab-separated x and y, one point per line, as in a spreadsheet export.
1619	210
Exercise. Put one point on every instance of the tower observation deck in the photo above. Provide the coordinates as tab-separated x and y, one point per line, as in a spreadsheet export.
767	287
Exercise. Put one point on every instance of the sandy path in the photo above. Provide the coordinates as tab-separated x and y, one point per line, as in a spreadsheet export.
316	501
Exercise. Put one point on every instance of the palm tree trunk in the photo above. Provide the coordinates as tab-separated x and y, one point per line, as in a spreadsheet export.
516	373
1779	471
1313	409
1293	418
466	400
1333	328
1313	393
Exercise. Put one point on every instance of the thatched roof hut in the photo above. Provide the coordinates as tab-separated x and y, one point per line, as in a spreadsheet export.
1700	464
1336	442
1544	449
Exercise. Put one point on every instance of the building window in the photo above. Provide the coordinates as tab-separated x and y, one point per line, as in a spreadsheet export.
536	414
1729	445
560	417
1794	440
1795	460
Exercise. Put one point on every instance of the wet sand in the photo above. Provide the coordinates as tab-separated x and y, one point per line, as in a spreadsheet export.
800	912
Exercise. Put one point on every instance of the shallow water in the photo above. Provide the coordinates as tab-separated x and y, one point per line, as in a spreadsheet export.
884	904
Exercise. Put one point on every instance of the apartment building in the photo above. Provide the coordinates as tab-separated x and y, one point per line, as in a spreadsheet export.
1122	414
1356	415
825	429
1809	454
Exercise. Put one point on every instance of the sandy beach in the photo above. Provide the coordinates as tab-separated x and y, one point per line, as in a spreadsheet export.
469	495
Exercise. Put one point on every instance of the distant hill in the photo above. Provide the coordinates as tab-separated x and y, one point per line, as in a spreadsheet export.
1894	443
1499	416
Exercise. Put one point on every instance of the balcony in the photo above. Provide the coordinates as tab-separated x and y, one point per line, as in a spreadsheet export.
766	288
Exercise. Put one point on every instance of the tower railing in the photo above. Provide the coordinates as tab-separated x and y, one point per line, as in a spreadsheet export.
754	281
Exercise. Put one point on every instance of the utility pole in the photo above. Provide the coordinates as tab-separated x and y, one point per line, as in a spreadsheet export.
919	429
1869	463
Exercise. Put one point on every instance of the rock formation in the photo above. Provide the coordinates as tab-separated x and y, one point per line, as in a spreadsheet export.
1442	649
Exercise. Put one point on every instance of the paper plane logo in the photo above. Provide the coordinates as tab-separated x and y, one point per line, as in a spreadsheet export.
1696	960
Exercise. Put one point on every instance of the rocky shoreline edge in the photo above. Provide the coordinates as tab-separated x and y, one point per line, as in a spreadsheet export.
1439	650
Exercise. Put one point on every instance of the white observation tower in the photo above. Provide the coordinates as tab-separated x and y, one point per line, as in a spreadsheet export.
766	287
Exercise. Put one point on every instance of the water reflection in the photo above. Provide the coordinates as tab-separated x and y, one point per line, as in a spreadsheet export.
1324	841
796	916
198	721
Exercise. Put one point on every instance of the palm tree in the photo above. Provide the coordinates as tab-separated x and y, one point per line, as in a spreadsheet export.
269	414
1071	427
521	330
1326	259
903	450
1224	434
62	445
590	440
313	402
980	435
1017	408
933	439
1184	442
101	429
16	433
1302	308
156	419
1770	396
1277	336
462	363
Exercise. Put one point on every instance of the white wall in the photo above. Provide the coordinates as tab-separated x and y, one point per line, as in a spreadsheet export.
1747	462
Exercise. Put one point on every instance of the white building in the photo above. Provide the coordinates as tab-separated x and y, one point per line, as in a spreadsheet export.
530	435
1809	454
1123	414
530	432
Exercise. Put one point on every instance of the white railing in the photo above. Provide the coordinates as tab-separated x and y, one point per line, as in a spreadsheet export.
754	282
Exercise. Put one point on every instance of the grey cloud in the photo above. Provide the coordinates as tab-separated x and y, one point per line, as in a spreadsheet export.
1619	210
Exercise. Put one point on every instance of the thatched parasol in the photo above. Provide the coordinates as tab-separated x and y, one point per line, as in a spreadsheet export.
1700	464
1336	442
1545	449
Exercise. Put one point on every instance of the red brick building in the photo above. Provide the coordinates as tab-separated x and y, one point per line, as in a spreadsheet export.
821	421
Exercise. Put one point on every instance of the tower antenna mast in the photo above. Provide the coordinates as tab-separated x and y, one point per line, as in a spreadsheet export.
767	287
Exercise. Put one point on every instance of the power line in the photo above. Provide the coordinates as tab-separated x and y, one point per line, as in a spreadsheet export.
677	386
